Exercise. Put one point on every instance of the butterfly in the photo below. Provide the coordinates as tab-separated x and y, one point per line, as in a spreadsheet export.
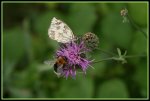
60	31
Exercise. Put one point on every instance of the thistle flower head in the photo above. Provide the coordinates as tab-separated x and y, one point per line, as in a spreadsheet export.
124	12
91	40
74	54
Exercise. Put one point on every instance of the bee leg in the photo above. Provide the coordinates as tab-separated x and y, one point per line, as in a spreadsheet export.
58	74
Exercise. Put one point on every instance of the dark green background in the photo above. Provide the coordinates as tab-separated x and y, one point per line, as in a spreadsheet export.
26	46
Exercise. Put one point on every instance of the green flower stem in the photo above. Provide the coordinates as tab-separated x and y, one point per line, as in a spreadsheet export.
112	58
136	26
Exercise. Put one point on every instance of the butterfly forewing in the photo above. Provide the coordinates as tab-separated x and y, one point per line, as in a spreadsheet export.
60	31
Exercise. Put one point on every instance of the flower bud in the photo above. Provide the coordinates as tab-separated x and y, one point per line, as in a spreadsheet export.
91	40
124	12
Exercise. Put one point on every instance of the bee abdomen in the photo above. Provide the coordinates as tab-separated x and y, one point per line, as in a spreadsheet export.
55	67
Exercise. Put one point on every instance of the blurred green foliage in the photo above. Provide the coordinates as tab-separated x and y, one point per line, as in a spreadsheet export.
26	46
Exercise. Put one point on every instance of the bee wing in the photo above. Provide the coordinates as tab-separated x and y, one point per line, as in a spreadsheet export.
60	31
49	62
49	66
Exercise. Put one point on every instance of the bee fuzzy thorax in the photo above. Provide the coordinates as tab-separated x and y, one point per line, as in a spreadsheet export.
61	60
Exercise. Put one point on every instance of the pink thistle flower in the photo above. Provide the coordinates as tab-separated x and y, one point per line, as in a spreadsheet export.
74	53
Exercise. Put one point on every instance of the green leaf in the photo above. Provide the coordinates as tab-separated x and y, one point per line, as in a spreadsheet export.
141	77
82	87
13	49
103	8
119	51
26	78
139	44
114	88
81	18
14	44
138	11
20	93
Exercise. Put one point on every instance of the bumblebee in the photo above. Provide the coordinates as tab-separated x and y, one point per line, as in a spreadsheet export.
59	65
